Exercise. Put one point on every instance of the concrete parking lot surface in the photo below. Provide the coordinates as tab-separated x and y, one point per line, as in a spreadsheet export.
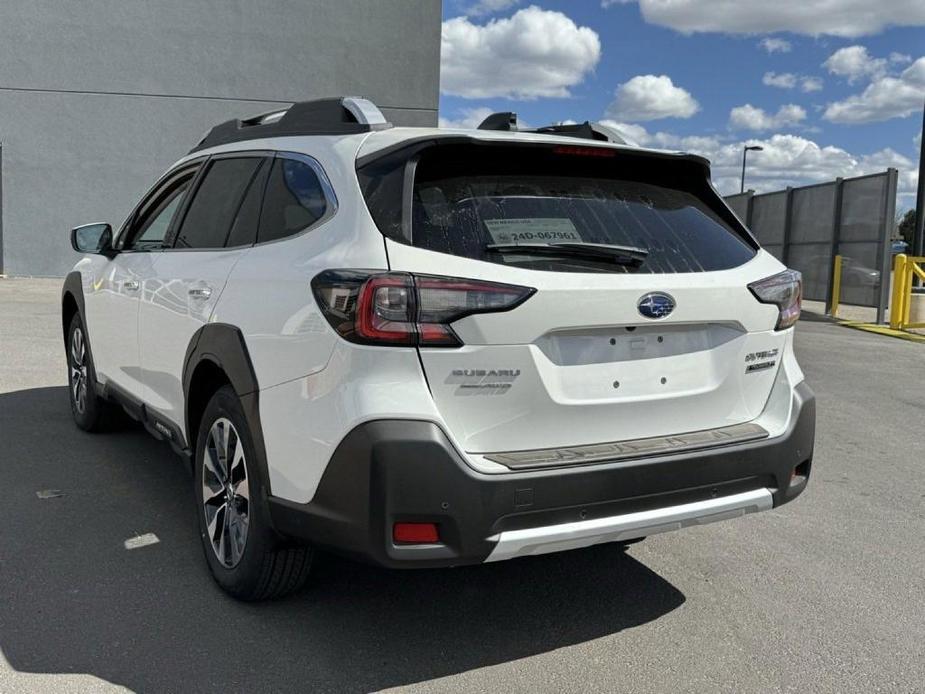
826	594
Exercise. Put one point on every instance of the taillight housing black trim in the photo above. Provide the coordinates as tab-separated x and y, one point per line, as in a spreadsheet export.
784	290
402	309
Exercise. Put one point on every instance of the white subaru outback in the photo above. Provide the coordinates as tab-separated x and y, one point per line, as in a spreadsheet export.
425	347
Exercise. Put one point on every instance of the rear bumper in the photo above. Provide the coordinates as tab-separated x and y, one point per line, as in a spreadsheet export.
390	471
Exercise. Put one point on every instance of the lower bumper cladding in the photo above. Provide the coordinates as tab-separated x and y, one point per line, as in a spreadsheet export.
391	472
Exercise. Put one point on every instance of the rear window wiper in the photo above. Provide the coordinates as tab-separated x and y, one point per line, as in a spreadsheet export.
621	255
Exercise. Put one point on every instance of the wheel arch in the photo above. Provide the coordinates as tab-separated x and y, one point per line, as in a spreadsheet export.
72	301
217	355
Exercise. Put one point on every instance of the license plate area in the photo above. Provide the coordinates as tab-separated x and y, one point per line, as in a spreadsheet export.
633	342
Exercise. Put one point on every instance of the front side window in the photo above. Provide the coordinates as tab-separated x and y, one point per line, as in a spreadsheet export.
295	199
149	229
208	221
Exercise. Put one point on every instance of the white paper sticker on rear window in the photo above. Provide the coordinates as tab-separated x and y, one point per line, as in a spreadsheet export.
532	230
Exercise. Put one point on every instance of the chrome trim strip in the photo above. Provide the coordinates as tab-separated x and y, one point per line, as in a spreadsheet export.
565	536
623	450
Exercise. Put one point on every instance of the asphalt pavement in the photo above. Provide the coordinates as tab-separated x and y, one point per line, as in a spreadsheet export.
826	594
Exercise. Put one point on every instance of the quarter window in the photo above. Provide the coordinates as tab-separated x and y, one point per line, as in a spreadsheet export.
295	200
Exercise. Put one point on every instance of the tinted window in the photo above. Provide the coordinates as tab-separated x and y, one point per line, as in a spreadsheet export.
244	229
154	228
154	218
466	198
294	200
208	221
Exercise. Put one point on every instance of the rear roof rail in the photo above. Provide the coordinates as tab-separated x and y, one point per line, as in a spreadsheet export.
507	120
341	115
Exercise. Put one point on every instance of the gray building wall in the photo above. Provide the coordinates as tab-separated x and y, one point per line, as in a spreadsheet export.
98	97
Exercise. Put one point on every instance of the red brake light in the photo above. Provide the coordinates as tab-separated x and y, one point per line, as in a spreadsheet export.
383	310
403	309
584	151
415	533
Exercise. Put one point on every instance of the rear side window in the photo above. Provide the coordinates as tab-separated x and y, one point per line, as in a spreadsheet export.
215	204
244	229
466	198
296	198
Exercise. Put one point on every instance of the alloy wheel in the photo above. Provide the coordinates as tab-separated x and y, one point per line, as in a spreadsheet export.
79	370
225	492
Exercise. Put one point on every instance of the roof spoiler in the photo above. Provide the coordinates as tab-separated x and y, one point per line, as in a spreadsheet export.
342	115
507	120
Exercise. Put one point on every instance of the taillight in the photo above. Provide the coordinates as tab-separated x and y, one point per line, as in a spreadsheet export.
785	290
402	309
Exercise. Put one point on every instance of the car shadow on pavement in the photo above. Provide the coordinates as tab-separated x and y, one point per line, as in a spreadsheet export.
74	600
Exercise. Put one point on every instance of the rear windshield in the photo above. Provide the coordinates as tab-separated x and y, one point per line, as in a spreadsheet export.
464	199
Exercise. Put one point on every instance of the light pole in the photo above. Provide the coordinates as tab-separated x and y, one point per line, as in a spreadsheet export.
918	231
745	151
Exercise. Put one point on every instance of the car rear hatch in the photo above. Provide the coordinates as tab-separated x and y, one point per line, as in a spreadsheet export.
656	344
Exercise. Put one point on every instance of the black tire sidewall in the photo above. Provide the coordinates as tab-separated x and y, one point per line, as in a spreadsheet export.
244	578
89	419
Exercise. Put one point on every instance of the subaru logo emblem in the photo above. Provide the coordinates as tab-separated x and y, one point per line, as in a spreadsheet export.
656	305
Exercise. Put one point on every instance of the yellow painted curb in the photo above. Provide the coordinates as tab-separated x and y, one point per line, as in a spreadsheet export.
882	330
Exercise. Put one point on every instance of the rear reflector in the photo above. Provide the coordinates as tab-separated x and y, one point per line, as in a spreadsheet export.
415	533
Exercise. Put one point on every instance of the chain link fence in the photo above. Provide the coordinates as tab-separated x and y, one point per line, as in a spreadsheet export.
806	227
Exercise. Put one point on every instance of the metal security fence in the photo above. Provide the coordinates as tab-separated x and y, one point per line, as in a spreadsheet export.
806	227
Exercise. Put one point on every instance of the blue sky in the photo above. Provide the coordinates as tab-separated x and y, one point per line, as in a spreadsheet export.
829	92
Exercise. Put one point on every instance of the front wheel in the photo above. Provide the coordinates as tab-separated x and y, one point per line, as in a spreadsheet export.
88	408
246	557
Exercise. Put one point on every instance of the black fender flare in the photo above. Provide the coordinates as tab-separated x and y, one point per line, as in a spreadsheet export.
224	346
73	286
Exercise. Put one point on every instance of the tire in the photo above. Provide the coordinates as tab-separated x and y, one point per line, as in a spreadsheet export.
90	411
246	557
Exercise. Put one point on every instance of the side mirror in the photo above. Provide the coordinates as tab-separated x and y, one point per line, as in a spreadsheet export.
93	238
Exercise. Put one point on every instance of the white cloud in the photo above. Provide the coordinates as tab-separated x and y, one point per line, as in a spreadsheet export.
636	134
788	80
534	53
750	117
468	118
917	140
900	58
775	45
810	84
649	97
786	160
849	18
884	98
783	80
854	62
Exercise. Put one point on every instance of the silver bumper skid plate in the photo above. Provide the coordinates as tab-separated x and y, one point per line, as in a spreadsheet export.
565	536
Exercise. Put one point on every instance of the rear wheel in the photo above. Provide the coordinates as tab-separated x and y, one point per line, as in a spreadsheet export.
246	557
89	410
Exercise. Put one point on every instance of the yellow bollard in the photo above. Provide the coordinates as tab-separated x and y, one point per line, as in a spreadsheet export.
836	286
898	299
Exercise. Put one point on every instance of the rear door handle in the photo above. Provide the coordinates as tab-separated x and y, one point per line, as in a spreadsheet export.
200	293
130	285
